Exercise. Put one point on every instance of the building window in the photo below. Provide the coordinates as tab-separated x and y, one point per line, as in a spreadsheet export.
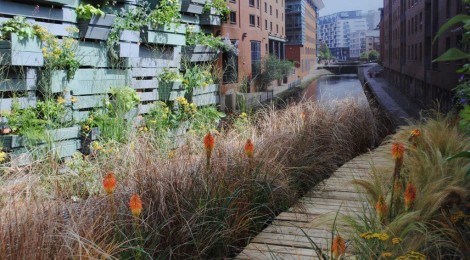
277	28
251	2
252	20
257	21
255	58
270	9
230	65
271	26
233	17
265	7
266	24
277	14
257	4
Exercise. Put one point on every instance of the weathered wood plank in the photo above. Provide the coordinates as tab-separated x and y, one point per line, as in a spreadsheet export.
29	10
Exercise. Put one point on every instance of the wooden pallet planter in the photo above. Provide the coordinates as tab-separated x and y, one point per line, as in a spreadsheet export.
98	27
205	96
89	81
210	19
165	57
193	6
129	45
165	35
25	52
199	53
6	103
93	54
52	2
19	79
61	142
190	19
168	91
63	14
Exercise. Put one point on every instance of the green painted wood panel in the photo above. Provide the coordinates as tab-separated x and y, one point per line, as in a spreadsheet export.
164	38
204	90
89	102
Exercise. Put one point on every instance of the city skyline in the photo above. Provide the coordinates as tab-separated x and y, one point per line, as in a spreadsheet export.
334	6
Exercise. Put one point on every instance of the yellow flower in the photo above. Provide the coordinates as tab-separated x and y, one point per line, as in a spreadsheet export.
74	99
172	154
3	156
96	146
85	128
243	115
396	240
386	254
60	100
379	236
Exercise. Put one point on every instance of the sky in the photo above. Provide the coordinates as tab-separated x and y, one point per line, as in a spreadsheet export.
334	6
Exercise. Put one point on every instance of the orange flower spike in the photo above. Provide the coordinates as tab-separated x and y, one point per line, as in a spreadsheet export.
109	183
135	204
209	143
415	133
410	195
381	207
398	149
249	148
338	247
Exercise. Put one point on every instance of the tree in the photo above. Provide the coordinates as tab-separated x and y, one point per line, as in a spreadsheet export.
364	56
373	55
324	52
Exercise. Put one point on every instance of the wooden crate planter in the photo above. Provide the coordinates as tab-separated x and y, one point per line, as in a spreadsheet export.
89	81
192	6
60	15
191	19
62	142
210	19
168	91
55	2
6	103
26	52
169	57
18	79
98	27
129	45
205	96
165	35
199	53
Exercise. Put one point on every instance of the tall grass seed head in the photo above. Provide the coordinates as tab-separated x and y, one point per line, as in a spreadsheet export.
135	205
381	207
109	183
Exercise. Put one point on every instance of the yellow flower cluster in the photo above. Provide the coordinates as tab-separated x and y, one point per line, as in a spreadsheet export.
386	254
396	240
457	216
96	146
53	49
412	256
3	156
143	129
186	106
379	236
60	100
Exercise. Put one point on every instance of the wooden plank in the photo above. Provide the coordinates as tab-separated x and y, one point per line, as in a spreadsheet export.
156	58
148	96
144	84
209	19
164	38
188	7
259	255
128	50
89	102
93	54
28	10
190	19
294	251
206	99
205	90
5	103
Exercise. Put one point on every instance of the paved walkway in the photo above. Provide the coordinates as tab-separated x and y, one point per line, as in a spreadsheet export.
399	107
314	213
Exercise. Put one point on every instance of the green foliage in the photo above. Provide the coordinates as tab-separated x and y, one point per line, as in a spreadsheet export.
374	55
197	76
465	119
115	119
167	12
272	68
324	52
18	25
220	7
206	39
32	122
170	75
205	120
464	154
87	11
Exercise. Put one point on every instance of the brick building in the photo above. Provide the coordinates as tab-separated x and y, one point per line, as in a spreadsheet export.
301	26
409	27
257	27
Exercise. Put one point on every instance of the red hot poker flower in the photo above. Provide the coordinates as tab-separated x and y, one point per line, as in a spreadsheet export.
135	204
381	207
398	149
338	247
209	143
410	195
415	133
109	183
249	148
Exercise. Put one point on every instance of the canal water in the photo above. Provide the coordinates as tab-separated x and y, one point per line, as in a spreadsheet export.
336	88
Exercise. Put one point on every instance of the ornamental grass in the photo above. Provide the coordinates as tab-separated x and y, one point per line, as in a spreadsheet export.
184	209
428	218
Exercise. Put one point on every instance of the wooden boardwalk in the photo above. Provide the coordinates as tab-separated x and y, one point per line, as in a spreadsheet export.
314	213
